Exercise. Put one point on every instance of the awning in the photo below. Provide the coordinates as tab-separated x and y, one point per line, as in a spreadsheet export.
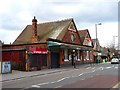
36	50
52	44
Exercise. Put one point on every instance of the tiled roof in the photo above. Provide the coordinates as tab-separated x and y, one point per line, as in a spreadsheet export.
54	30
82	34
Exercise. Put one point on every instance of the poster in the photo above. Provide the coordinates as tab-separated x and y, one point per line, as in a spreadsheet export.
6	67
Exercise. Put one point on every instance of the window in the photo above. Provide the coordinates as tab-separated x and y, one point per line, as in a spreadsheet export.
72	37
87	55
78	55
66	55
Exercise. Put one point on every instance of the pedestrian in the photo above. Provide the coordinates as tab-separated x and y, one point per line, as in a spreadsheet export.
74	64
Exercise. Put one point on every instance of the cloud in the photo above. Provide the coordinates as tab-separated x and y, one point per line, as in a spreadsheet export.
16	14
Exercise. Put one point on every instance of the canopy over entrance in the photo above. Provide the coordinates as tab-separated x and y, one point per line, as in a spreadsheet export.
59	45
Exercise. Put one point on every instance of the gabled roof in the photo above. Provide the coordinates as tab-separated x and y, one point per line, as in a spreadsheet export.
83	34
54	30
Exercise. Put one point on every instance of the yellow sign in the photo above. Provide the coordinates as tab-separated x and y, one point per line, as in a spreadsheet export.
111	55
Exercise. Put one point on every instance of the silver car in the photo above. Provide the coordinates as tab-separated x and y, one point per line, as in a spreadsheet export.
115	61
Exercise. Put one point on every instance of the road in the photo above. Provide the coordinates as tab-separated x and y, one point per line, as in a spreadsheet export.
104	75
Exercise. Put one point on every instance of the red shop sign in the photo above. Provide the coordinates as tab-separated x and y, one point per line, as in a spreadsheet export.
38	50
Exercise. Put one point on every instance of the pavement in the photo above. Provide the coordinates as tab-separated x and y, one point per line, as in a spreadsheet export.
23	74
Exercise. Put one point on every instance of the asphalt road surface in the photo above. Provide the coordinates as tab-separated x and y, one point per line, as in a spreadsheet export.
104	75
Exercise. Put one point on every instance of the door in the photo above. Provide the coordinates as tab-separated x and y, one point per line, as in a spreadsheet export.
55	60
35	60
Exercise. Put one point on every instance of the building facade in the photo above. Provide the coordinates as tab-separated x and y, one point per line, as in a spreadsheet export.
86	42
46	45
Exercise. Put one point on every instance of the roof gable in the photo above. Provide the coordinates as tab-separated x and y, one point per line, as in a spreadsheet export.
85	37
71	35
98	44
53	30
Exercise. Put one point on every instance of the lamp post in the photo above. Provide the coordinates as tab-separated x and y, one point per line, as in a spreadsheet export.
96	41
96	33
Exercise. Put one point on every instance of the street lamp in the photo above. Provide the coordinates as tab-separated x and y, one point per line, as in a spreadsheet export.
96	33
96	42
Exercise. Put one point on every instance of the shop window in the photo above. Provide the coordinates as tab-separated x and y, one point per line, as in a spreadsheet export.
66	55
78	55
87	55
70	57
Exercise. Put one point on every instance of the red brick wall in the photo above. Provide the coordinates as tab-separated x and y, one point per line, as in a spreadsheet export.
67	37
24	46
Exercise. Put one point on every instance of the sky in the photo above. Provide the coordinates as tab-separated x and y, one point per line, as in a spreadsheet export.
15	15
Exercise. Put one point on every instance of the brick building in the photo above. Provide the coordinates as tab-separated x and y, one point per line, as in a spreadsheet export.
45	45
87	53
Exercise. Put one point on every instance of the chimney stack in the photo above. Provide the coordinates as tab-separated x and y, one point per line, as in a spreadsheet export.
34	30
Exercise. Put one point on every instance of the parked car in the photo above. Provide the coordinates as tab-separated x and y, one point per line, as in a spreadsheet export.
115	61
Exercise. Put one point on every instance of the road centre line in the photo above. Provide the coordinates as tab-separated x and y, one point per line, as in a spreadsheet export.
38	85
53	82
99	68
80	74
62	79
108	67
88	67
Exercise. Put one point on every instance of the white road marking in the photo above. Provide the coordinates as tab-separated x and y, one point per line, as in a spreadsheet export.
108	67
80	74
38	85
62	79
83	79
35	86
43	83
88	67
53	82
93	68
74	76
116	67
58	87
93	71
102	68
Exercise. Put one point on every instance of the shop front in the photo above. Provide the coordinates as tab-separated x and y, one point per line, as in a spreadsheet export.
36	58
63	54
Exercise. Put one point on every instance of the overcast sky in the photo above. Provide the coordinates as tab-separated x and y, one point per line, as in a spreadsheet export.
16	14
